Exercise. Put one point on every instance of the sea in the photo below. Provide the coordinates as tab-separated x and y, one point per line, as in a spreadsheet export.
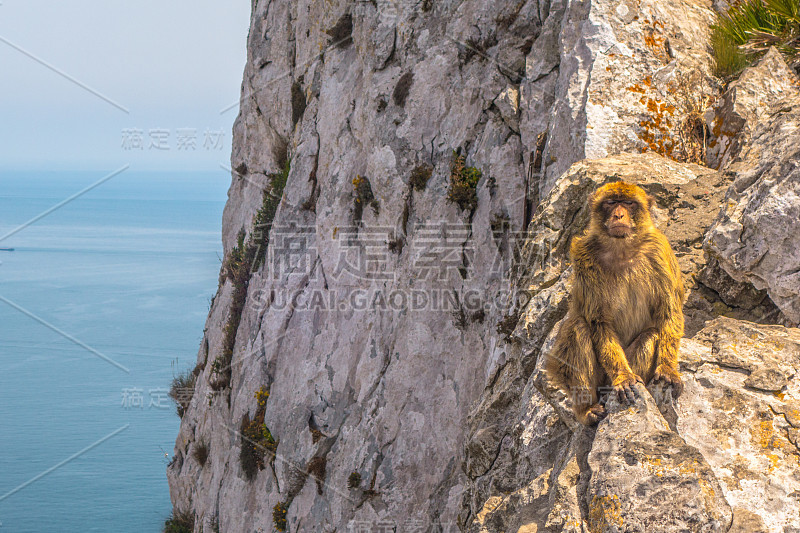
102	302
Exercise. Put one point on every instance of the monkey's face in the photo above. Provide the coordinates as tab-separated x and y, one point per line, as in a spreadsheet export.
619	216
620	210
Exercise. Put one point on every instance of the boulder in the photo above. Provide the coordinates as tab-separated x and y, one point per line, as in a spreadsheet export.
734	116
741	409
645	477
756	236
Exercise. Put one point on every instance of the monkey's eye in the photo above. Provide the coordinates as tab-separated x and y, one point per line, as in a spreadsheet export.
628	202
610	203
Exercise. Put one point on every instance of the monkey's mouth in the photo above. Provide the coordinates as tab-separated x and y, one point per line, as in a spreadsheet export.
619	230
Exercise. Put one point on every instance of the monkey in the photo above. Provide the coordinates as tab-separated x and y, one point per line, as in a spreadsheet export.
624	319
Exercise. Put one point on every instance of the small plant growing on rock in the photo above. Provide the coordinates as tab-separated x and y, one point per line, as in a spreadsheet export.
176	461
363	196
261	396
256	439
396	245
507	324
244	259
371	492
341	33
200	452
691	95
181	390
316	468
315	435
750	28
420	176
463	184
354	480
298	100
179	522
403	87
460	320
279	516
672	123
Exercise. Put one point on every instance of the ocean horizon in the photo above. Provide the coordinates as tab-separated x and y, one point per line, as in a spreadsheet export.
102	302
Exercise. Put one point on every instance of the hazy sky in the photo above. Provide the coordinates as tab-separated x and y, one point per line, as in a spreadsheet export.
174	65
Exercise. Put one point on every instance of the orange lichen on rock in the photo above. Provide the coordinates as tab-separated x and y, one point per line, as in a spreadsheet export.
655	40
604	513
765	438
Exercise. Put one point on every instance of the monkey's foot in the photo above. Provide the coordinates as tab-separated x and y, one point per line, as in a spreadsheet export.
624	387
593	414
669	377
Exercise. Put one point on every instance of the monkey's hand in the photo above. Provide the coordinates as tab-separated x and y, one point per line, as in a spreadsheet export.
594	414
670	377
624	386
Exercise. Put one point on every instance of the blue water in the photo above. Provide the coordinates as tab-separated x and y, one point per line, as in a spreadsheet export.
127	269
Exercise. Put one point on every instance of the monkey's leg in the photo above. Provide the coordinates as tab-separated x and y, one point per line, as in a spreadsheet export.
573	367
641	353
613	360
590	414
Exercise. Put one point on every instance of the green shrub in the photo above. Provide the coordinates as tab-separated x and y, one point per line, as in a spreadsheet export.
237	270
750	28
463	184
256	439
179	522
244	259
256	442
181	390
262	222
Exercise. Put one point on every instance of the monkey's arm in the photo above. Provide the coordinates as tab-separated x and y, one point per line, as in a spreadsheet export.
668	318
573	367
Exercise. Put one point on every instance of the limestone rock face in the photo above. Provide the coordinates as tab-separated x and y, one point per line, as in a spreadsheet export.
740	409
737	113
610	77
756	235
414	271
723	457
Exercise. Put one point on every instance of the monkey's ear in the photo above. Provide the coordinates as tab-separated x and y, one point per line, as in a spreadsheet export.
650	202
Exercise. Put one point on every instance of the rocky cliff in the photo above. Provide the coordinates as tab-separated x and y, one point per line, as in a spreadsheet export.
406	179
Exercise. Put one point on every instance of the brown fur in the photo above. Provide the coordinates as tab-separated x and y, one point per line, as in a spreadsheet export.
625	317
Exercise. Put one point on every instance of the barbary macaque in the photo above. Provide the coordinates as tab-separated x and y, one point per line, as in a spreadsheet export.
625	317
